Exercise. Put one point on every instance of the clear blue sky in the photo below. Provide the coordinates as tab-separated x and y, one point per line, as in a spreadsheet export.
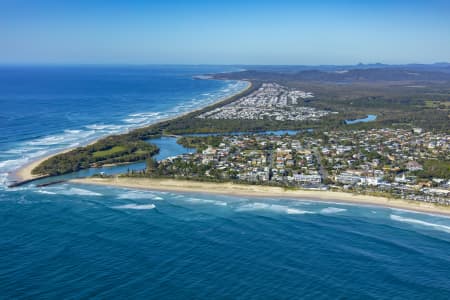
224	32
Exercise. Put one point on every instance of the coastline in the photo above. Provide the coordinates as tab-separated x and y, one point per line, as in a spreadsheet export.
24	174
232	189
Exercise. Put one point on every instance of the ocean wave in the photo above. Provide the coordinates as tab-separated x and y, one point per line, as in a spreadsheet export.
440	227
136	206
25	152
45	192
11	163
206	201
103	127
72	131
135	195
3	179
294	211
146	118
20	150
7	166
68	136
28	151
256	206
77	192
135	120
146	114
421	213
332	210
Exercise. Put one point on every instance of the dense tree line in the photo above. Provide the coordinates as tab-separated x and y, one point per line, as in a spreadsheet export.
435	169
200	143
395	105
85	157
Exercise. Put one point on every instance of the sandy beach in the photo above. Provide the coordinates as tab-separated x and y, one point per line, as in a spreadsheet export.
233	189
24	174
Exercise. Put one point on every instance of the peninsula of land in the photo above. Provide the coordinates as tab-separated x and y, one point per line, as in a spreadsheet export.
47	166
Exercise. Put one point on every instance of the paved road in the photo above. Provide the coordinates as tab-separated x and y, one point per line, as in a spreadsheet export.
322	171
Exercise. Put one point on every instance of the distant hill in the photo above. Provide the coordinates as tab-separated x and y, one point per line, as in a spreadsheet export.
436	67
417	73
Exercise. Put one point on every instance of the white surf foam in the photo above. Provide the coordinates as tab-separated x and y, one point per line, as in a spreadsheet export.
25	152
206	201
65	138
332	210
45	192
420	222
136	206
135	195
272	207
100	127
78	191
421	213
3	179
73	130
294	211
146	114
135	120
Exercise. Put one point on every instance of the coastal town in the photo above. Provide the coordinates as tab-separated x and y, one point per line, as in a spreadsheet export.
272	102
407	164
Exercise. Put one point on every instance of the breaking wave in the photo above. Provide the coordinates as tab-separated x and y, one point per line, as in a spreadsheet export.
258	206
136	195
28	151
206	201
136	206
332	210
46	192
71	192
420	222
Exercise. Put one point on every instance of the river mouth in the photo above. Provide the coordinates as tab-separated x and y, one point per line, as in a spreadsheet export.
168	146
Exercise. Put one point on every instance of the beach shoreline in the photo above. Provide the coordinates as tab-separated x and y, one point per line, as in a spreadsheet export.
24	173
259	191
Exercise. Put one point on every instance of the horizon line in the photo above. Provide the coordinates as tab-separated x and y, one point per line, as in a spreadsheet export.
208	64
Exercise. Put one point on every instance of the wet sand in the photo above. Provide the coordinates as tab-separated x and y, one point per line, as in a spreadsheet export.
233	189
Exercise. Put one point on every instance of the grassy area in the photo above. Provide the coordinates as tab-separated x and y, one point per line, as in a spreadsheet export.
110	152
395	103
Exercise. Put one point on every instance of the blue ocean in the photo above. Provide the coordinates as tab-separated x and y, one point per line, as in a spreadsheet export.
72	241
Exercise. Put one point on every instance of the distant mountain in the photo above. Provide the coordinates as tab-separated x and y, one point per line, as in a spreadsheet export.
436	67
411	73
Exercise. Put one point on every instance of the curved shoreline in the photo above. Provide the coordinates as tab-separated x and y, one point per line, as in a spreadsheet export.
259	191
24	173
